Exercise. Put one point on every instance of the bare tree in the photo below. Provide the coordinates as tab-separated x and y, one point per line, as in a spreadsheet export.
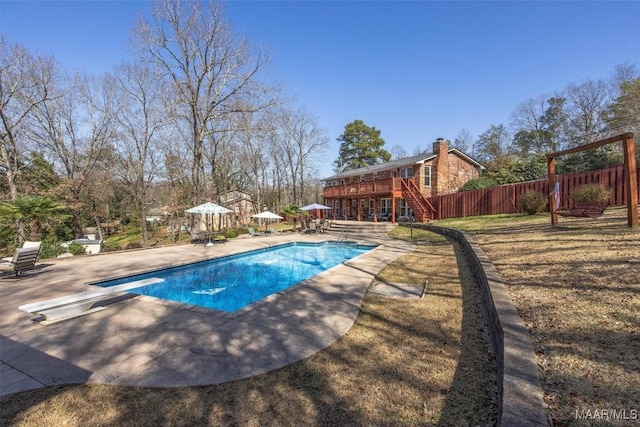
174	182
463	141
528	127
624	112
585	107
398	152
141	120
623	73
74	128
251	142
279	179
302	142
221	152
207	66
25	83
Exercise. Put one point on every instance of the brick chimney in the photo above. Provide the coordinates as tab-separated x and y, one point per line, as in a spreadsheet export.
440	172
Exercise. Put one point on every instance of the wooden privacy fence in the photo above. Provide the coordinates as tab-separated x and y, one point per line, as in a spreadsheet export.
505	199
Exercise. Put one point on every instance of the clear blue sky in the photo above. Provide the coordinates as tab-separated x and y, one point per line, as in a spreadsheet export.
415	70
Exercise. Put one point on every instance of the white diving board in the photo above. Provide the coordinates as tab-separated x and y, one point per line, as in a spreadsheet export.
80	304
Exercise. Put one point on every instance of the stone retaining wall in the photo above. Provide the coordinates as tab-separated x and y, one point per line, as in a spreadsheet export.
520	400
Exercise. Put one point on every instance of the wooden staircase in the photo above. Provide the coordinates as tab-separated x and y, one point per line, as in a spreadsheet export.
422	209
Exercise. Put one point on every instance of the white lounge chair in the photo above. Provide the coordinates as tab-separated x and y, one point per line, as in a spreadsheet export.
26	244
23	259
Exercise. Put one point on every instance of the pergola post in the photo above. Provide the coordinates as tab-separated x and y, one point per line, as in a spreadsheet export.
631	175
551	168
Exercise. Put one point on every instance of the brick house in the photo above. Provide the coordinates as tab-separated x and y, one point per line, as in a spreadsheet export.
399	188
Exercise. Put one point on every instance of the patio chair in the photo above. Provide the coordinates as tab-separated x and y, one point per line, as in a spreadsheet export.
24	259
312	227
195	237
384	216
320	227
26	244
252	232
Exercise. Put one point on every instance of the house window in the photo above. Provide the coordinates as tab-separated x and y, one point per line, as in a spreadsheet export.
405	210
385	205
375	175
361	178
427	176
406	172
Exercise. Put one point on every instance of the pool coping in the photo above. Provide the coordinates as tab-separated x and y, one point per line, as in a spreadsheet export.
222	313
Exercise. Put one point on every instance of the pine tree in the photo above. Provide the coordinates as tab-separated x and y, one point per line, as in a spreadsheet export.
360	146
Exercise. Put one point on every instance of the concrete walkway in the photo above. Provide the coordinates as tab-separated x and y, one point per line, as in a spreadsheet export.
144	341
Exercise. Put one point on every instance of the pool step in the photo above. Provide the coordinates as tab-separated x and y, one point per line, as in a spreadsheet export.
70	306
357	227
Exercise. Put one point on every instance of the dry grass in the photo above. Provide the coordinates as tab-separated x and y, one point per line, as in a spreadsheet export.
404	362
577	288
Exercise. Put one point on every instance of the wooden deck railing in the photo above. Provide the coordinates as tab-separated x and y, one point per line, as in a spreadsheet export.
370	188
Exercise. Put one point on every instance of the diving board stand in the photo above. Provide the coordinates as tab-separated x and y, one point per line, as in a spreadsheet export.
80	304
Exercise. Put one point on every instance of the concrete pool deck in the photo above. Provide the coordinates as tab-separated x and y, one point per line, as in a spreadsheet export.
142	341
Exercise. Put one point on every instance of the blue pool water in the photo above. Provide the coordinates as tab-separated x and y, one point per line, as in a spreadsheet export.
233	282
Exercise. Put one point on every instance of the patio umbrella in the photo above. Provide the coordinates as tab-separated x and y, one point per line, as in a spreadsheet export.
315	207
266	215
207	209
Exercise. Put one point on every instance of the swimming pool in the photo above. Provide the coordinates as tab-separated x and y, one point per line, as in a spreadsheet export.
233	282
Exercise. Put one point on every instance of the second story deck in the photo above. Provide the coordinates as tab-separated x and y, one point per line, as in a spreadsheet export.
378	187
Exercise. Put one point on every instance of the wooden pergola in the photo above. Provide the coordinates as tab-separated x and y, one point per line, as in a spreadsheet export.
630	173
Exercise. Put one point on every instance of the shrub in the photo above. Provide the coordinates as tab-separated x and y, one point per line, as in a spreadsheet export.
591	193
51	249
477	183
533	202
231	233
76	249
111	245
